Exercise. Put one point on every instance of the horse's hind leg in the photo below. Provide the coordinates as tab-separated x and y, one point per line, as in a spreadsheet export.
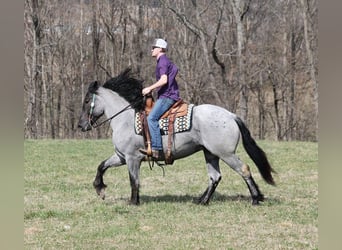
214	176
242	169
98	183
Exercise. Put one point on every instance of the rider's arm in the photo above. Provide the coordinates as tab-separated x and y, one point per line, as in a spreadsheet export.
162	81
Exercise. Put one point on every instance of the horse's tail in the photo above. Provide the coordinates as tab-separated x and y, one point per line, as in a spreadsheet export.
255	152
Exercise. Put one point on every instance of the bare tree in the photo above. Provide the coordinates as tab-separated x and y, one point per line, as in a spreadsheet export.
309	12
258	59
33	34
198	28
240	9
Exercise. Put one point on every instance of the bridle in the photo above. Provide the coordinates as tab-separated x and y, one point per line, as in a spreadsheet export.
92	105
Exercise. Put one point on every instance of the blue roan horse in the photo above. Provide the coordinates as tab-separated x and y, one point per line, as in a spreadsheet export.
214	130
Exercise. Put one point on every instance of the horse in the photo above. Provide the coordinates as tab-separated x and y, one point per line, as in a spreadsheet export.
214	130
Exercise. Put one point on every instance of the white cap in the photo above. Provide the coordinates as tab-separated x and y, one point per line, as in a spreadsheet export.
160	43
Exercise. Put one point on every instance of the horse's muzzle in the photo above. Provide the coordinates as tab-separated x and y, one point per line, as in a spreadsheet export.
84	126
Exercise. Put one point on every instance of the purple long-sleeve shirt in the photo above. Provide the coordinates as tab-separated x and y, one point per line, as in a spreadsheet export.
170	89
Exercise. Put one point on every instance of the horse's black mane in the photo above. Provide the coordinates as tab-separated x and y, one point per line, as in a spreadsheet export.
127	87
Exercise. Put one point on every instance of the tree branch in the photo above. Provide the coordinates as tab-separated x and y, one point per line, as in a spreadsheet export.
192	27
246	7
214	50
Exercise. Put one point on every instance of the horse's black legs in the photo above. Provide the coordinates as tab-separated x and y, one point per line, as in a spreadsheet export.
98	183
134	170
254	190
205	198
214	174
234	162
252	186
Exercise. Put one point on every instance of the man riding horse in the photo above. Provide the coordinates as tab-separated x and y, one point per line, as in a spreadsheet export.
167	94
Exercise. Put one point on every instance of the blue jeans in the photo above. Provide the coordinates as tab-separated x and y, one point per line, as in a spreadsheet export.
159	108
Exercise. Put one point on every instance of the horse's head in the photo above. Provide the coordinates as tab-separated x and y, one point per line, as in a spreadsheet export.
92	109
124	85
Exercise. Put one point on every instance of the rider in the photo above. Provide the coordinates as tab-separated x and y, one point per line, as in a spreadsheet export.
167	94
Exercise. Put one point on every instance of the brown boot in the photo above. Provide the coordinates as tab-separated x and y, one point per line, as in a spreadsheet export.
157	155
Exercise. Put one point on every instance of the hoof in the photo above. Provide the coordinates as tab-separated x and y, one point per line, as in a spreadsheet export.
255	203
102	193
257	199
100	189
201	201
261	197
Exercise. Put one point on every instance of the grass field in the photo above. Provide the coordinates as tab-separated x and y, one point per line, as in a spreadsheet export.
62	210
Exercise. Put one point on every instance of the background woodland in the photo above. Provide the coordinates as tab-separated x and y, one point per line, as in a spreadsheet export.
256	58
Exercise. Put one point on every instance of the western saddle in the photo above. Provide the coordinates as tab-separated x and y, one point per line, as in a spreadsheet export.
179	108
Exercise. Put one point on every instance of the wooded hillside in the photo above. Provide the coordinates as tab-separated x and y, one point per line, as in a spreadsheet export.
256	58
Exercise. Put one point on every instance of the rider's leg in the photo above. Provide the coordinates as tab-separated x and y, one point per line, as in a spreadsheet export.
159	108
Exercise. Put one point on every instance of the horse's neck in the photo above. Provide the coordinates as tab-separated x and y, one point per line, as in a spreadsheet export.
115	104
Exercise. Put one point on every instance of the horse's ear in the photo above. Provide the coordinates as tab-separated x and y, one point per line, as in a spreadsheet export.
93	87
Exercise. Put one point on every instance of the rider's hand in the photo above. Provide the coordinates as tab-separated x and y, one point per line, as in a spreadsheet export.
146	91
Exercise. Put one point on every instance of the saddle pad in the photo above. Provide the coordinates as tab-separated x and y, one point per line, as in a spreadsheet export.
181	124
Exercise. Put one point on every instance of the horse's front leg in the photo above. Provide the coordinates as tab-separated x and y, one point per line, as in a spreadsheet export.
134	172
113	161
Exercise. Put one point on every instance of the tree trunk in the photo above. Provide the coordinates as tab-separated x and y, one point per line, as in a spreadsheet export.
311	62
291	115
44	124
32	108
96	40
262	113
241	59
81	54
277	122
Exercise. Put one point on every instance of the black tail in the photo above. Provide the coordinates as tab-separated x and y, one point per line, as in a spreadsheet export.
255	152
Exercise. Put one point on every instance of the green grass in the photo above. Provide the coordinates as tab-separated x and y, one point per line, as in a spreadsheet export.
62	210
